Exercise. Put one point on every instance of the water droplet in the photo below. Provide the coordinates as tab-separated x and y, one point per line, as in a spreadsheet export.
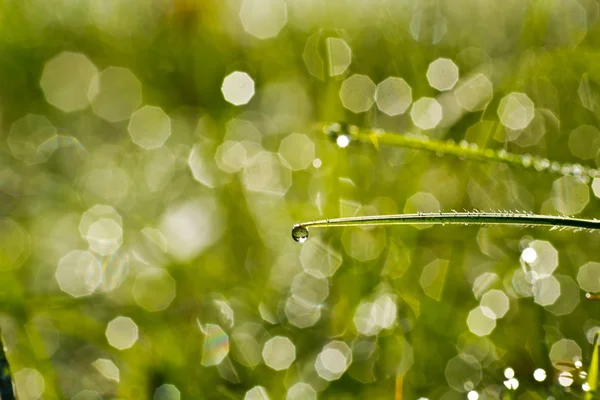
342	141
299	233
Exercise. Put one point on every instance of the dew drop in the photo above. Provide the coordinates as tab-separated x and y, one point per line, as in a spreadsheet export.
299	233
342	141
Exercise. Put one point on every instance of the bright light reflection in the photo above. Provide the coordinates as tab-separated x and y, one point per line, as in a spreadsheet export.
512	383
565	379
529	255
539	375
342	141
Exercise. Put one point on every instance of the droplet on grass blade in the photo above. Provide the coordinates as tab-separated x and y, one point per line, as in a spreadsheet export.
299	233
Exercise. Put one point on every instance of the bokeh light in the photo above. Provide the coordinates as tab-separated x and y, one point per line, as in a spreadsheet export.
263	18
29	384
426	113
297	151
257	393
516	110
108	369
570	195
442	74
154	156
68	81
238	88
167	391
333	360
154	289
27	135
474	93
357	93
393	96
279	353
301	391
149	127
79	273
122	333
119	94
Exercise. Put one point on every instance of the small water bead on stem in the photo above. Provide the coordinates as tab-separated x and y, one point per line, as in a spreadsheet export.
344	134
300	231
341	134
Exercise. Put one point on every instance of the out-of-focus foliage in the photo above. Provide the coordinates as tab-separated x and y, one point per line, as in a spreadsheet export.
154	156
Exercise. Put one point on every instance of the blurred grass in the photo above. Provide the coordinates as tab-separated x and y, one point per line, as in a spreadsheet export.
181	51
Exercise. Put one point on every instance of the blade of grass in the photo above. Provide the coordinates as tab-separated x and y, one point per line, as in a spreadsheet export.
6	386
465	150
300	231
592	378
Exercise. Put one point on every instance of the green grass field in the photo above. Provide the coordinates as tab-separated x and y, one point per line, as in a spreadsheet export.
155	155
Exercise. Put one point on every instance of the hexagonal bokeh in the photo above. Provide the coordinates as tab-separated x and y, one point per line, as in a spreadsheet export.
481	321
570	195
300	313
365	319
14	244
584	142
357	93
27	134
546	290
433	278
442	74
87	395
248	340
154	289
596	187
263	18
319	259
569	296
167	391
119	94
564	353
483	283
474	93
101	227
79	273
310	289
588	277
257	393
122	333
230	157
216	345
516	110
393	96
496	301
238	88
463	373
340	55
333	360
149	127
29	384
426	113
371	317
297	151
265	173
108	369
542	257
279	353
301	391
68	81
105	236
